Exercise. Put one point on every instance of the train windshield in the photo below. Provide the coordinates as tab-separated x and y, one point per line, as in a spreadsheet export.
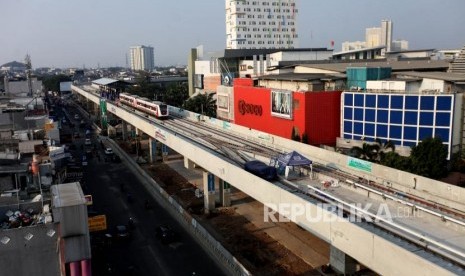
163	109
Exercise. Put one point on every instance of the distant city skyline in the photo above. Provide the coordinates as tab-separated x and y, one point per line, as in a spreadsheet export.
99	33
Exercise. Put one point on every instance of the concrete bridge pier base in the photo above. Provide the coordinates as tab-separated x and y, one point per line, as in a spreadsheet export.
95	109
341	262
153	150
225	193
208	192
124	130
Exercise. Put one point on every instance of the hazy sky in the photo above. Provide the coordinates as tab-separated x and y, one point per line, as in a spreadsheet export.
64	33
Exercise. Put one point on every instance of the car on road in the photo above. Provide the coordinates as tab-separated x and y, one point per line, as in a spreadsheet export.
76	117
165	234
88	142
108	151
76	135
122	232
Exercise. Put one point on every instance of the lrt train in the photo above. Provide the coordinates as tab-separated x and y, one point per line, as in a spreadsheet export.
154	108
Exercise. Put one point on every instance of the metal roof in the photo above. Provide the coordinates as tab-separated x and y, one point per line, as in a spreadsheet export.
359	50
104	81
447	76
396	65
411	51
301	77
68	194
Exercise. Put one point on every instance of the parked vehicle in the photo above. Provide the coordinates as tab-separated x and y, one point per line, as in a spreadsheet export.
120	232
108	151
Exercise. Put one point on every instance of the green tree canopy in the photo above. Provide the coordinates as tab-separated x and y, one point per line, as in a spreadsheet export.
429	158
52	83
176	94
143	87
373	152
394	160
202	104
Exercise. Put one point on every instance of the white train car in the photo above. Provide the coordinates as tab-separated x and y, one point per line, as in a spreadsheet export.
154	108
128	99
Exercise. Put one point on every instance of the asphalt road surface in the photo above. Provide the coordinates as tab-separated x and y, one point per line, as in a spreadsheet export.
142	253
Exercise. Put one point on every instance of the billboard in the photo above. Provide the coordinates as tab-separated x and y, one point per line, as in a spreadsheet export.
359	164
222	101
198	81
103	112
281	103
97	223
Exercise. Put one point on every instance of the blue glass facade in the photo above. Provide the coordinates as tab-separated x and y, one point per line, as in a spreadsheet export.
405	119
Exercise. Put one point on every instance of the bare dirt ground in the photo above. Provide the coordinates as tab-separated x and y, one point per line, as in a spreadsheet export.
261	254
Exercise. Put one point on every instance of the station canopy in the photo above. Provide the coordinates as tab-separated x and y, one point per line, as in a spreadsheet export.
293	159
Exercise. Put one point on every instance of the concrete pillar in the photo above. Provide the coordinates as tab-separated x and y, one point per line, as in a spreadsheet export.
208	191
341	262
164	151
96	109
225	193
153	150
125	130
86	268
188	164
75	268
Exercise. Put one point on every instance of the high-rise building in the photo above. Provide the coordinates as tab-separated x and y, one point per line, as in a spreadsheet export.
386	34
264	24
142	58
380	36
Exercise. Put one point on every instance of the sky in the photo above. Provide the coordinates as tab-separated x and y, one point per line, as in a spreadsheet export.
92	33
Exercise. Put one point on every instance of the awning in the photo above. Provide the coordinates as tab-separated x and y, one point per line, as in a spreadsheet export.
293	159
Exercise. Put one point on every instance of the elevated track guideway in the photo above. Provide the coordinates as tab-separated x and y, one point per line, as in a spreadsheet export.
430	244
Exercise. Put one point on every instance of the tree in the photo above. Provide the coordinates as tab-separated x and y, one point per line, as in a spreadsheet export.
143	87
304	138
394	160
366	152
429	158
202	104
294	135
176	94
52	83
373	152
380	149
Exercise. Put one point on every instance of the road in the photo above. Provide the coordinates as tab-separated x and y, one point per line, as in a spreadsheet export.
143	253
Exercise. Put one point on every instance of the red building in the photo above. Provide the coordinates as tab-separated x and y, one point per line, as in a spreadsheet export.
279	111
